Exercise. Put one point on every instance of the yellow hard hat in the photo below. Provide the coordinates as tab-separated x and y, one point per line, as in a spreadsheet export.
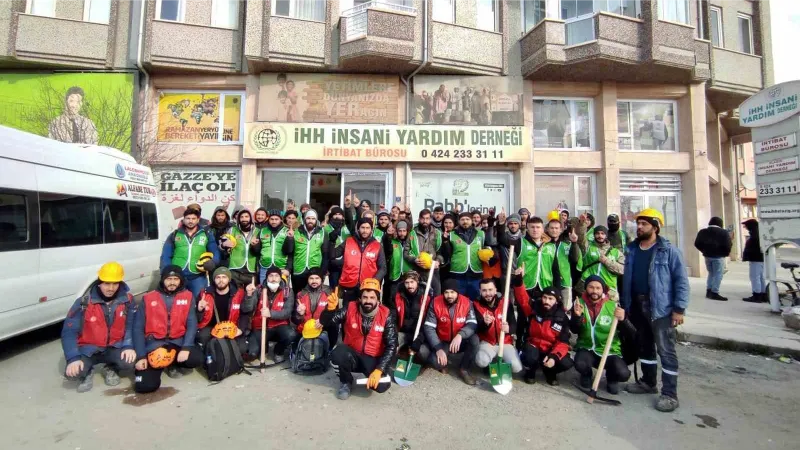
111	272
485	254
230	238
425	260
204	257
310	331
371	283
553	215
651	213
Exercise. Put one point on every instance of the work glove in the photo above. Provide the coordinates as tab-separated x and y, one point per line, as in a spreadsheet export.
333	301
374	379
209	266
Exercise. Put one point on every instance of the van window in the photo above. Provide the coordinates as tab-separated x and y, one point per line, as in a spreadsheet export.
69	220
116	222
13	220
150	220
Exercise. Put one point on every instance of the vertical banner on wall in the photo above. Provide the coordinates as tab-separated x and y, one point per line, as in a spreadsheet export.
208	187
471	191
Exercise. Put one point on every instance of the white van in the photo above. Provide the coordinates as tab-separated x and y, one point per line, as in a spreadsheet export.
66	209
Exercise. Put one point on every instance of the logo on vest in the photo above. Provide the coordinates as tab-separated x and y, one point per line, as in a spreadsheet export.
354	326
605	320
153	303
443	319
279	304
353	252
181	302
379	328
93	319
528	247
122	313
371	255
461	320
323	304
236	306
556	326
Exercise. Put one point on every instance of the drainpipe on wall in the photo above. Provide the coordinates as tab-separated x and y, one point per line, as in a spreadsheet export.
407	80
737	213
140	66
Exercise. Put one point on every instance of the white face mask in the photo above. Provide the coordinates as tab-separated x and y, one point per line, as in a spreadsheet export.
273	286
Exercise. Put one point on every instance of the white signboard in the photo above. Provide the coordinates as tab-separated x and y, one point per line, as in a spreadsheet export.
208	187
779	212
776	143
770	106
479	191
779	188
779	165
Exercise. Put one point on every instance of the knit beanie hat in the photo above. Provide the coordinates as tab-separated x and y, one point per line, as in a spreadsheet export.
598	279
450	285
222	270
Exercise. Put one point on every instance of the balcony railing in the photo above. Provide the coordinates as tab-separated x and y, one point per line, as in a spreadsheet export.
356	17
580	30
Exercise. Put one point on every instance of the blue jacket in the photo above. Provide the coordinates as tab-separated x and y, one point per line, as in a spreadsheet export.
669	284
144	344
74	323
169	249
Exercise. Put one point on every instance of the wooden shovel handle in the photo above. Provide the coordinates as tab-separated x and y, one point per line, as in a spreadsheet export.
263	327
505	299
607	348
422	310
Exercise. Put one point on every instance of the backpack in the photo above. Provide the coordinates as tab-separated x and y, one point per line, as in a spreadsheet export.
311	357
223	359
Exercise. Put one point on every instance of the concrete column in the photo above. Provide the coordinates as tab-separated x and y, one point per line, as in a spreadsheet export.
527	196
715	156
249	181
605	113
695	198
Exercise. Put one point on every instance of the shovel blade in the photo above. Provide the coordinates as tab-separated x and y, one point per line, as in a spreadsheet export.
406	372
500	376
591	396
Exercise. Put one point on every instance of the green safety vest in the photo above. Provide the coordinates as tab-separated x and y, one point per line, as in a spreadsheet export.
241	254
465	256
542	260
592	336
398	265
272	247
308	250
377	233
591	261
343	234
188	249
622	234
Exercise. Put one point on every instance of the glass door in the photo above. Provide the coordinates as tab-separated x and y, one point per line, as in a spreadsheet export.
372	186
280	187
665	202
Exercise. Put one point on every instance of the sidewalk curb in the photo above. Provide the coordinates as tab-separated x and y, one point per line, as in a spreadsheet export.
737	346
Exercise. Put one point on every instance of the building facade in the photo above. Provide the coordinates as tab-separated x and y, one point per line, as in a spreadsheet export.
592	106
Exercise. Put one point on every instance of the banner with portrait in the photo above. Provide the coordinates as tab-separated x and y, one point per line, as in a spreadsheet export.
454	100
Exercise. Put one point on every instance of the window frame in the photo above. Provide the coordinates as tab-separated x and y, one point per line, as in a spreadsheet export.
576	209
453	12
592	144
32	221
720	34
293	11
749	19
496	16
524	10
220	129
237	25
29	8
662	11
181	12
630	121
87	7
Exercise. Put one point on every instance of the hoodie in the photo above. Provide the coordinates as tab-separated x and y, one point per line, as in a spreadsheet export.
218	229
752	247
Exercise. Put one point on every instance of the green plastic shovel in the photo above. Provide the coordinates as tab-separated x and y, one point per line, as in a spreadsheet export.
499	371
406	372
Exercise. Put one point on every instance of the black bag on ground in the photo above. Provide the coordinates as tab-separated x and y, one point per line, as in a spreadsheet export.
223	359
311	357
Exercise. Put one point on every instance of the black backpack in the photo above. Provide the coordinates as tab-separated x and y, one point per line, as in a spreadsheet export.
223	359
311	357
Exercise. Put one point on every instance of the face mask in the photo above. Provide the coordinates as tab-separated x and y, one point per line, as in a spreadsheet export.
273	286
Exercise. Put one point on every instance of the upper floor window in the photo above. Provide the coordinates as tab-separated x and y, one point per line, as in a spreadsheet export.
745	34
674	11
562	123
646	125
487	15
41	7
173	10
444	11
225	13
533	12
300	9
97	11
715	17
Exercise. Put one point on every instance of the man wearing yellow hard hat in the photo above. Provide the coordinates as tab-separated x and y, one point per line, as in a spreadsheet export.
369	343
99	330
655	296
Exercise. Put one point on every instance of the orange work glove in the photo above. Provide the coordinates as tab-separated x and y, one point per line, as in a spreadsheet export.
374	379
333	301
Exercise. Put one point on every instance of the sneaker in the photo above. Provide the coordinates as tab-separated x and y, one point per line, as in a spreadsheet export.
173	372
641	388
716	296
613	388
110	377
344	391
755	298
586	381
467	377
667	404
708	293
87	382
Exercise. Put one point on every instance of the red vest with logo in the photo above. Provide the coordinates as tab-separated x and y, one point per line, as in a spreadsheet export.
234	310
371	344
358	265
96	331
447	328
163	324
492	334
305	299
276	306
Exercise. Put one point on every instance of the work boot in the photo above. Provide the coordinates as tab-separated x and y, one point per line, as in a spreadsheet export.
764	297
708	293
173	372
586	381
612	387
530	376
667	404
86	383
344	391
550	378
755	298
716	296
467	377
110	377
641	387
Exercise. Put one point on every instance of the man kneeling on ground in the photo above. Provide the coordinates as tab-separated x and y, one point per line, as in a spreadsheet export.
370	339
312	302
489	315
232	306
278	310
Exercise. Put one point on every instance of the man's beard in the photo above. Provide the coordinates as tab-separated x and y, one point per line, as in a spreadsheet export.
595	297
245	225
601	242
222	288
367	307
645	235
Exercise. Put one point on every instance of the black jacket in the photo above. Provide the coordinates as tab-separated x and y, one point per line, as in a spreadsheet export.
413	306
338	316
713	242
752	248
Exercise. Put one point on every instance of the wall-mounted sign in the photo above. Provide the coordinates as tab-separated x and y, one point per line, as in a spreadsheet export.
470	191
770	106
208	187
382	143
200	117
779	165
779	188
779	212
776	143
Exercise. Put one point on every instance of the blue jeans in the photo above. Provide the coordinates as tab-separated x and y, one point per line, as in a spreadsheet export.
468	287
716	268
196	284
656	337
757	277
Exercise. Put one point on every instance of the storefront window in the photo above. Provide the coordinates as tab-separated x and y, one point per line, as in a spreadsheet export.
661	192
575	193
562	124
646	125
279	188
367	186
470	190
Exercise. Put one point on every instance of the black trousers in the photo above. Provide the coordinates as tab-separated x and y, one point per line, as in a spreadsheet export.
616	369
283	336
469	348
345	361
532	359
204	336
149	380
111	357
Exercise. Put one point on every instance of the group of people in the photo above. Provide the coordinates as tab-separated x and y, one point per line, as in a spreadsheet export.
568	276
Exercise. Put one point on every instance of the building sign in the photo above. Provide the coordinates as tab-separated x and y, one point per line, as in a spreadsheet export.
329	98
399	143
779	188
200	117
770	106
779	165
456	100
776	143
468	191
779	212
209	188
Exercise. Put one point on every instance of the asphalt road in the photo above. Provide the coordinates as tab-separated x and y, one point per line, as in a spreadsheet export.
728	401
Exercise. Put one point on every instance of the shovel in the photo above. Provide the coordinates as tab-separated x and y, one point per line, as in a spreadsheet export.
405	372
262	362
592	394
499	371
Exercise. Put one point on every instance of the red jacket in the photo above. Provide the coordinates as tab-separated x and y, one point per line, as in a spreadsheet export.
275	306
96	331
305	298
491	334
371	344
446	328
358	265
158	318
549	334
234	310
